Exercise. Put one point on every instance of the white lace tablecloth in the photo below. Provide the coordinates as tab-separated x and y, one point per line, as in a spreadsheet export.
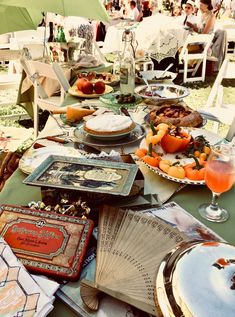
159	35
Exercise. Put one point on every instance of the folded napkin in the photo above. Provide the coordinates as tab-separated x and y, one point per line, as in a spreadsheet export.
20	295
85	61
155	184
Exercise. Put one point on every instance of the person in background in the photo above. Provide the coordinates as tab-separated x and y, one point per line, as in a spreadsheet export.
188	15
133	12
206	25
146	10
176	11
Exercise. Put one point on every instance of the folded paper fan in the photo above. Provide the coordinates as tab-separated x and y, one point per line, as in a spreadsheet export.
130	249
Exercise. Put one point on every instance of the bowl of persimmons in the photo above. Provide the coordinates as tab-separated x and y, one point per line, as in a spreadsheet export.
89	89
174	153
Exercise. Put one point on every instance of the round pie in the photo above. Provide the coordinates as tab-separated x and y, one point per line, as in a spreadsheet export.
109	124
176	114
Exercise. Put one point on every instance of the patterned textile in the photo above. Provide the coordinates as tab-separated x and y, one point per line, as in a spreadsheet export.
86	31
20	295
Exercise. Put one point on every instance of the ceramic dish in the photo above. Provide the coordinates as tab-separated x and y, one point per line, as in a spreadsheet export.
78	93
110	100
135	135
210	136
162	92
34	157
108	137
105	77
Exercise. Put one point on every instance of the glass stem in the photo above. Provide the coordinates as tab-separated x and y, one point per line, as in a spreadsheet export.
214	204
214	201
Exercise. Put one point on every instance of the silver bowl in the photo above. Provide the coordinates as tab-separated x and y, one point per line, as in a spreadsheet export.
162	92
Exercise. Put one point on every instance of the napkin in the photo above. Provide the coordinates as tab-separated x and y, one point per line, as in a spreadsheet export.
12	138
20	295
155	184
85	61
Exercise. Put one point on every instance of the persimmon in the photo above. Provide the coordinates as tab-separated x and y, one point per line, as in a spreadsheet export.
80	83
176	171
141	152
196	170
152	161
151	158
155	134
175	143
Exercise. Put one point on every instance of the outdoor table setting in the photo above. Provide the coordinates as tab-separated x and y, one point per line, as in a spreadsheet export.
60	145
110	177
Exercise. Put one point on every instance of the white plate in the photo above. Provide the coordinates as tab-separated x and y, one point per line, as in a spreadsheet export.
153	75
78	93
34	157
210	136
109	137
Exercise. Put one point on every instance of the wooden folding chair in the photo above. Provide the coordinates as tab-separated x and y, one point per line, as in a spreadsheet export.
202	41
35	71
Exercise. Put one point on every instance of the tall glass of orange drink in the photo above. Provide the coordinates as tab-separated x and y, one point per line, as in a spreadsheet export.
219	177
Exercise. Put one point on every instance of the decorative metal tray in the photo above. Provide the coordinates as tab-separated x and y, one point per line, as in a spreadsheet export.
87	175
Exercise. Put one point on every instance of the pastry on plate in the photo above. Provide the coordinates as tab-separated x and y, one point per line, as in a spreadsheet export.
75	113
176	114
109	124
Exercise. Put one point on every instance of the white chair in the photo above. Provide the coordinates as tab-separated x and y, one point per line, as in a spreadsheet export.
204	40
12	78
231	132
35	51
230	29
35	71
214	109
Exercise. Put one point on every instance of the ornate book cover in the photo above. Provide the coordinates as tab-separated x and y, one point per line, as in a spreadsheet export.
47	243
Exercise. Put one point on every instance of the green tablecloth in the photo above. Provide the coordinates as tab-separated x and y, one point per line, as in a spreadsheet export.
189	198
14	192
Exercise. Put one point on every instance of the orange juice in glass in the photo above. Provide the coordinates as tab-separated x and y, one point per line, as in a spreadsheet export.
219	177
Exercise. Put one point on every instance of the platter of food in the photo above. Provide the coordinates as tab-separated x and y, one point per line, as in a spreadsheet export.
89	93
75	113
174	156
177	114
162	92
109	126
154	76
106	77
117	100
135	135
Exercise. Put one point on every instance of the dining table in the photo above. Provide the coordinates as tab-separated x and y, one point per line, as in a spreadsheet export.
159	35
189	197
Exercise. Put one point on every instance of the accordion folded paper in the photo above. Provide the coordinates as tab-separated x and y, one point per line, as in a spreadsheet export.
130	248
20	295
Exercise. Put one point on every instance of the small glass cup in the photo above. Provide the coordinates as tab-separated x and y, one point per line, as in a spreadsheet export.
219	177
